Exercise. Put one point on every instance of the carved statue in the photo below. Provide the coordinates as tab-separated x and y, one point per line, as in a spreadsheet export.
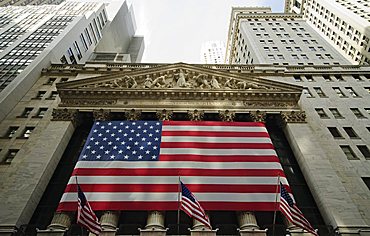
214	83
247	85
181	81
148	83
159	82
130	81
230	84
201	81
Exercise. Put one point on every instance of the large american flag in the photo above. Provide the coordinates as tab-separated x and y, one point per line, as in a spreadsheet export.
135	165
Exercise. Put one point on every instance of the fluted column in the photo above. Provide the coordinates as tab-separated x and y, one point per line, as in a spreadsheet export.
294	230
59	225
199	229
155	224
248	224
109	223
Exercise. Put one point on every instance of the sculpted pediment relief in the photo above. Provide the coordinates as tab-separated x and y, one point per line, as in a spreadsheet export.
176	76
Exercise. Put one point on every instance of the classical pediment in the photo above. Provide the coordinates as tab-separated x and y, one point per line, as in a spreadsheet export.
178	81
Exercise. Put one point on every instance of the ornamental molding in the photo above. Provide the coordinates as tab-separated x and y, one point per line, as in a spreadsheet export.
293	117
66	115
178	85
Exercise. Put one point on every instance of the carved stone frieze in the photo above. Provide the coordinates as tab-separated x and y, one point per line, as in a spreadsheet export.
101	114
87	102
293	116
271	104
133	114
164	114
195	115
226	115
258	116
65	115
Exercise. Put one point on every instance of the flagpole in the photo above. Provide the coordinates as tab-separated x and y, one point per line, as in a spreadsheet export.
276	196
82	229
178	206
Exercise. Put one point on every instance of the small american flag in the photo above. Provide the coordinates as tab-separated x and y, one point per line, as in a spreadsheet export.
288	207
85	215
191	206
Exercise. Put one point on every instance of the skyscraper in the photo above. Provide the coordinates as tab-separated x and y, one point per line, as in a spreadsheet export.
5	3
343	23
212	52
33	37
334	100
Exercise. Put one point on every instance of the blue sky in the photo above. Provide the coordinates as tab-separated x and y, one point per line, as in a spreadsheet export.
174	30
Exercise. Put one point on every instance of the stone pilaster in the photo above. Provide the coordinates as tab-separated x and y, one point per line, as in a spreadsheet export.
195	115
164	115
109	223
248	224
133	114
155	224
258	116
226	115
58	226
101	114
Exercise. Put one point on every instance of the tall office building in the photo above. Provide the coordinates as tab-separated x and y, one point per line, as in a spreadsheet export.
5	3
212	52
276	38
334	100
343	23
33	37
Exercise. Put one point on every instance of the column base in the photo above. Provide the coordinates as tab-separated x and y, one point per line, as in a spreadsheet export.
7	230
252	232
298	232
153	232
108	232
352	230
51	232
204	231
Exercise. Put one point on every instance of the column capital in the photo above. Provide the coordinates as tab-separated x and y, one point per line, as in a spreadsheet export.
195	115
226	115
64	114
258	116
109	222
164	115
293	117
248	224
155	224
101	114
60	221
133	114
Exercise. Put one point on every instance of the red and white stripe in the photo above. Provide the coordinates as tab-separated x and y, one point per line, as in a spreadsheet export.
228	166
87	218
194	210
295	216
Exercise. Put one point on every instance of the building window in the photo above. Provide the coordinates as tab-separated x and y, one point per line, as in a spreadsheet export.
11	132
41	113
281	57
40	94
26	112
10	156
350	132
366	181
295	56
336	113
348	152
339	77
77	48
364	150
50	81
63	79
307	92
309	78
289	49
319	92
271	57
27	132
321	113
352	92
335	132
357	77
327	78
357	113
297	78
267	49
53	95
339	92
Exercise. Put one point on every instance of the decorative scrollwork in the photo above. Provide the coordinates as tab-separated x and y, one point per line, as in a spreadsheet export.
101	114
293	116
258	116
66	115
133	114
195	115
226	115
164	115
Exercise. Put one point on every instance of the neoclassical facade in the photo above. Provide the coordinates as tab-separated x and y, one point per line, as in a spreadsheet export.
43	135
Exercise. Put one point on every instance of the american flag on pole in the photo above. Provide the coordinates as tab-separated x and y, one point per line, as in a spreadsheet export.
191	206
134	165
288	207
85	215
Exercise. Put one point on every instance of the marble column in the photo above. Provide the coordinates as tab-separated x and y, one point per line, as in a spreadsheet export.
294	230
155	224
199	229
248	224
109	223
58	226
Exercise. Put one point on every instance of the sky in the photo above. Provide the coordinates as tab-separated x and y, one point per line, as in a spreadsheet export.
174	30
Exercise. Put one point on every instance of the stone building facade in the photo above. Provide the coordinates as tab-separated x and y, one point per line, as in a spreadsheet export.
320	140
